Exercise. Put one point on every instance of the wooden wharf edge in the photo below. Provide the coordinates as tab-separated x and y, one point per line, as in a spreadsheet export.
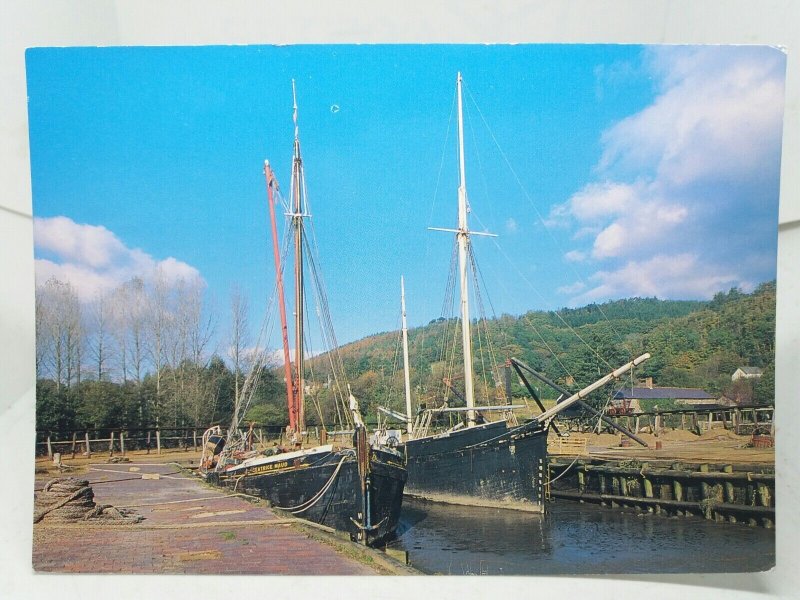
719	495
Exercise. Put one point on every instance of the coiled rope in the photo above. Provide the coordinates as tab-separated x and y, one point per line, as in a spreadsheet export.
71	499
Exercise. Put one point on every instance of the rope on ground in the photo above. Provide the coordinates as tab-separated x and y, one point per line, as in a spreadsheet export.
72	499
206	498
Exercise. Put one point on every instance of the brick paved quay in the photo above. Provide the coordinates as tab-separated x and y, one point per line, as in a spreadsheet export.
189	527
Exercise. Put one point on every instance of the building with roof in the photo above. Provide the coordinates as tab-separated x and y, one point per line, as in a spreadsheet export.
629	398
746	373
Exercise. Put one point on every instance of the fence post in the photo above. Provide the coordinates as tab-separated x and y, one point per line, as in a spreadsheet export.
49	448
88	448
158	441
122	443
194	439
111	444
148	441
74	442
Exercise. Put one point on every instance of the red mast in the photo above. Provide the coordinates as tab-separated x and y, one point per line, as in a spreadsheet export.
287	363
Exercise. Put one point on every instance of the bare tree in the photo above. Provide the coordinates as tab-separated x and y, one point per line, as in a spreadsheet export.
135	303
42	339
99	335
61	333
196	330
237	342
158	324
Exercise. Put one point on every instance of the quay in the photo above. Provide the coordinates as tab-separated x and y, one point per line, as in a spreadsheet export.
190	527
718	475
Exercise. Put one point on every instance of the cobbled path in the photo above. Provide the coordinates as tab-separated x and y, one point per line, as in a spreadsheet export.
188	528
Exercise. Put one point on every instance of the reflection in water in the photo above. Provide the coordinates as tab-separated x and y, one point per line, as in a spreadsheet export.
574	538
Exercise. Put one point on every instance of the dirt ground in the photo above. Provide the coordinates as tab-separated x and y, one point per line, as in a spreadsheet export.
716	445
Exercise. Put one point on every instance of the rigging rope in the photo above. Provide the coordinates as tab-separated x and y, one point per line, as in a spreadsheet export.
536	210
318	496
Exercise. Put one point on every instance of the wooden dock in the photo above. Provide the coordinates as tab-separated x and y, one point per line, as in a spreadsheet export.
741	493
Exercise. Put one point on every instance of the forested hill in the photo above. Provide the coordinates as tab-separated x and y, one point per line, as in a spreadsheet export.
693	344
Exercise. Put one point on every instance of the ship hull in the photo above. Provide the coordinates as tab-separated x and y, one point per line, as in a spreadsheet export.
326	488
490	465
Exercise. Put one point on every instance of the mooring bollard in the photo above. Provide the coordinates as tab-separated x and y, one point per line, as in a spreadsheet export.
677	488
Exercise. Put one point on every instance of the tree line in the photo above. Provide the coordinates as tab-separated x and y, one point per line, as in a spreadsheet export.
143	355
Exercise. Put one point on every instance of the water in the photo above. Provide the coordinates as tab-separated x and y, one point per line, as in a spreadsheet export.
574	538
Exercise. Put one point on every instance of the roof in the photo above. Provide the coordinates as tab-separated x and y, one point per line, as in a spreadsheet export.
662	393
750	370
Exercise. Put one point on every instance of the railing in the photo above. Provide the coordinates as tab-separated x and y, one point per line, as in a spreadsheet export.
742	420
155	439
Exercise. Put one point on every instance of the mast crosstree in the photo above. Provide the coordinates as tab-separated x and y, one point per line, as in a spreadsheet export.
463	239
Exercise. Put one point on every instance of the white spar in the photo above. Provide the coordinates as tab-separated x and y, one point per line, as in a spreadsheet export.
590	388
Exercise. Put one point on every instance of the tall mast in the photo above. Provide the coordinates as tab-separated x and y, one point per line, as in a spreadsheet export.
287	361
463	248
297	223
409	427
463	237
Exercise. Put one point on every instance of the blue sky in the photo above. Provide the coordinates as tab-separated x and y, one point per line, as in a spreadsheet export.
607	171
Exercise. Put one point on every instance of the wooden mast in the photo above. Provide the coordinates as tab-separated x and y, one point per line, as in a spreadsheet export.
407	378
463	249
463	238
297	222
287	361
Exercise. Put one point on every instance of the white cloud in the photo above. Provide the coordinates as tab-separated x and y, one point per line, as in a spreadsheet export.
688	185
94	260
91	245
643	226
675	276
598	200
575	256
719	116
573	288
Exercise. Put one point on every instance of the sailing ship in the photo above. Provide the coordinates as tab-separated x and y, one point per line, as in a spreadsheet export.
356	489
499	463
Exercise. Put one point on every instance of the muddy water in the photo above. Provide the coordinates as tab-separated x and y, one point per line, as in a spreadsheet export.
574	538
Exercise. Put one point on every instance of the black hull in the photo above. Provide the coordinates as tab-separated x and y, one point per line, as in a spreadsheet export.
327	490
489	465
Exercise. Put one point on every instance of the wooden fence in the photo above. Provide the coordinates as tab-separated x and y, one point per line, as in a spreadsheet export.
119	441
742	420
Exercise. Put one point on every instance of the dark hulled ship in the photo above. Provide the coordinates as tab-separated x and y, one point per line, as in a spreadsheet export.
493	465
356	489
500	463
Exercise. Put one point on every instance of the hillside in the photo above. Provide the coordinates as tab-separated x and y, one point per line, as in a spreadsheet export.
693	344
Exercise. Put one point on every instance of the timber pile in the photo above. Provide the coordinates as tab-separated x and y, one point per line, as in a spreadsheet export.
69	499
